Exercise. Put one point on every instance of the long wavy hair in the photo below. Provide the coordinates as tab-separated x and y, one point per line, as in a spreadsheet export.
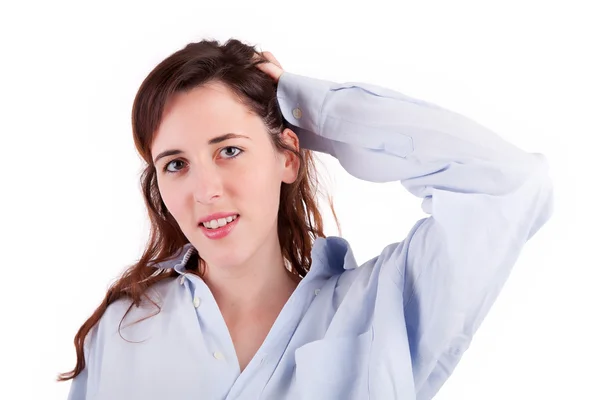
299	220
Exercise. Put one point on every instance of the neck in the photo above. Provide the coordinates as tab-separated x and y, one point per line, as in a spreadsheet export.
263	282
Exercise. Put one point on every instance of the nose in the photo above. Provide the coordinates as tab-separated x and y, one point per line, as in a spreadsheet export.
208	186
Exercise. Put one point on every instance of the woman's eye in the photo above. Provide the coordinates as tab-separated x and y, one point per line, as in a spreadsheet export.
166	169
227	151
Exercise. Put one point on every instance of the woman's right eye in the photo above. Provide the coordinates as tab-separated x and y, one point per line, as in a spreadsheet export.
166	168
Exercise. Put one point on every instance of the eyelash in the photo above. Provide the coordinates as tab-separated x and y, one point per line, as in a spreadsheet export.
165	168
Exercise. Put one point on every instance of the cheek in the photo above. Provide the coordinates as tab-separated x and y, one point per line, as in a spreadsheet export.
266	188
173	199
256	188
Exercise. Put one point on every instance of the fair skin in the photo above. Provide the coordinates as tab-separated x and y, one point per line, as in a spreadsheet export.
244	270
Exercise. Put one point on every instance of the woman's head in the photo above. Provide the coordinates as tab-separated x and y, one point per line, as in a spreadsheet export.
188	103
229	161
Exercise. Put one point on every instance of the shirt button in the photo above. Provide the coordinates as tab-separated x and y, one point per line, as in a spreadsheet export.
317	291
218	355
196	302
181	280
297	113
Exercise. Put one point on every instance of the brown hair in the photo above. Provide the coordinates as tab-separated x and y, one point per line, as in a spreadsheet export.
299	220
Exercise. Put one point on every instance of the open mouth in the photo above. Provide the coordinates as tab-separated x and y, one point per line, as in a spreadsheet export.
220	223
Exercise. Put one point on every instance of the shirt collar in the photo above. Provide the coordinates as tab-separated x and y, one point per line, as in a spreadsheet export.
333	253
179	260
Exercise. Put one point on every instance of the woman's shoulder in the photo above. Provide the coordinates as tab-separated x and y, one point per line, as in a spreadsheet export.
123	312
123	323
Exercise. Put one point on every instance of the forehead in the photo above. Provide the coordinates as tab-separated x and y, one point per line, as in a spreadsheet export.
202	113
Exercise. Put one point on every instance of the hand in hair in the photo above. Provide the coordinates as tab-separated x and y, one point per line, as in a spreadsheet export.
272	67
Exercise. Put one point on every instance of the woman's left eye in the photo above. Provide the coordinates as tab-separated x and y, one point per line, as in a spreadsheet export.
228	154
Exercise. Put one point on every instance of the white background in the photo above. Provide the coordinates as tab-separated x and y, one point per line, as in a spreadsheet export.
73	215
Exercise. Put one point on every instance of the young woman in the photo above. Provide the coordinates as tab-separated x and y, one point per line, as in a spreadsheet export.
238	294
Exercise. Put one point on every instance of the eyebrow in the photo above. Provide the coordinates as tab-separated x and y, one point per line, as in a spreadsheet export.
215	140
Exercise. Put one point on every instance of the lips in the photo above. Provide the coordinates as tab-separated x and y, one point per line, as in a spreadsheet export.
221	232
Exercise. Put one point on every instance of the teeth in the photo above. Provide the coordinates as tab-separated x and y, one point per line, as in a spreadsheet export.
217	223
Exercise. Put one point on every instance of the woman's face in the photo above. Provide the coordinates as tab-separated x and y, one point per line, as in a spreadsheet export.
213	173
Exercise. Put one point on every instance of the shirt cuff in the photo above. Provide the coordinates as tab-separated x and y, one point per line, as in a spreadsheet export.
301	100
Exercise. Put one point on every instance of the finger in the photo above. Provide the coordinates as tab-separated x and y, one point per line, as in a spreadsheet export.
269	68
271	58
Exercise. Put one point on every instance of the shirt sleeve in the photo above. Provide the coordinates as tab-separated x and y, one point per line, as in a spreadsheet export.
486	198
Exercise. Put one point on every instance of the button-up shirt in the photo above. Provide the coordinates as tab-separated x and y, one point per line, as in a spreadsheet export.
394	327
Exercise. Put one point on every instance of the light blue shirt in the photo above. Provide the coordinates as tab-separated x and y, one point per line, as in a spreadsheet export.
392	328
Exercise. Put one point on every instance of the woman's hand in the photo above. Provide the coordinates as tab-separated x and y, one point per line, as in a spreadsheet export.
272	67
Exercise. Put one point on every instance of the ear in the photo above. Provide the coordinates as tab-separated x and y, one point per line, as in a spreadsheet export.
290	162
